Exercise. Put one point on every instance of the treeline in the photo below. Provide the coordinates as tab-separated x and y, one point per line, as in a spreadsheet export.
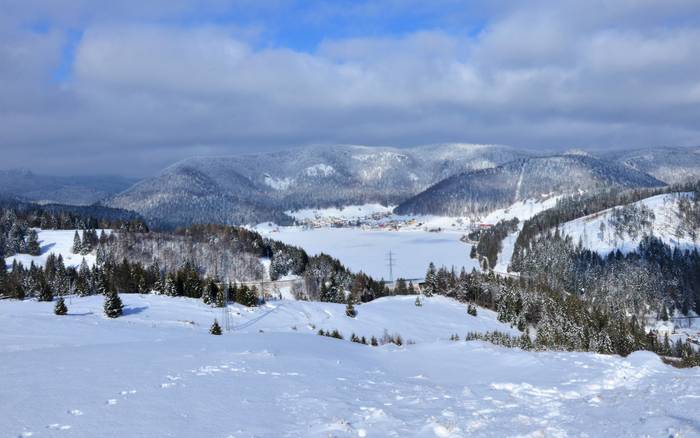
69	217
18	221
110	278
562	321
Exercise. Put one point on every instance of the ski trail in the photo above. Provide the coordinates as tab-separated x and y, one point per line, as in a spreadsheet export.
519	183
255	320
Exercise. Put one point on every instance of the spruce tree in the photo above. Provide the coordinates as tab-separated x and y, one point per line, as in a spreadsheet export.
215	328
430	286
77	243
60	307
350	309
113	306
33	247
46	294
418	302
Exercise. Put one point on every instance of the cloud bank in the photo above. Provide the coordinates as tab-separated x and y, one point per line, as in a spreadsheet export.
126	89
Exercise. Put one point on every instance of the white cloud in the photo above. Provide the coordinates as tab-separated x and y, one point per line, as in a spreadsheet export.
554	75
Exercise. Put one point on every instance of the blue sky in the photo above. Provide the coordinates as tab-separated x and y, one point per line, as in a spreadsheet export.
132	86
298	25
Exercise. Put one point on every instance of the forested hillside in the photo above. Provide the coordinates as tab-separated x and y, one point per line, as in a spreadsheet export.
482	191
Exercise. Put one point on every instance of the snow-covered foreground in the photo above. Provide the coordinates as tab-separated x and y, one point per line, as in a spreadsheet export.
367	250
157	372
58	242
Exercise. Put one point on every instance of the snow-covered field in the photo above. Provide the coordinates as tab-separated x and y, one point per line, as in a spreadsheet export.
157	372
367	250
664	226
56	242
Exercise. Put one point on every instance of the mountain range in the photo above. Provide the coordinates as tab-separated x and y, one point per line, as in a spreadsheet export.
446	179
261	187
70	190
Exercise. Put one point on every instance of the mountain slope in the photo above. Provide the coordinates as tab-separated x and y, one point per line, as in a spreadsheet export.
623	227
259	187
668	164
530	178
70	190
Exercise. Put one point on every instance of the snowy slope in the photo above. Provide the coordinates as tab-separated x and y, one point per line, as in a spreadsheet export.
151	373
664	226
58	242
523	210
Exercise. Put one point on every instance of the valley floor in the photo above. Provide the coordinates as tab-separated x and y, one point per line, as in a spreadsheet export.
157	372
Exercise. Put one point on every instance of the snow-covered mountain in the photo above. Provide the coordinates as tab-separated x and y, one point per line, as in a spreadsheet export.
669	164
529	178
260	187
69	190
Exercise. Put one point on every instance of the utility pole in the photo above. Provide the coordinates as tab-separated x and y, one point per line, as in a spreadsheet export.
391	261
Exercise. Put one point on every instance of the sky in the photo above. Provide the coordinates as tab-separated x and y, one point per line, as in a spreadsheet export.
129	87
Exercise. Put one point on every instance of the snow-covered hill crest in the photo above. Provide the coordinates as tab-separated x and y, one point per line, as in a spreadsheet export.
482	191
623	227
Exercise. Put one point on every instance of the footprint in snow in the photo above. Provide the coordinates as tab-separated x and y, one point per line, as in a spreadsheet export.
75	412
131	391
56	426
112	402
168	385
26	434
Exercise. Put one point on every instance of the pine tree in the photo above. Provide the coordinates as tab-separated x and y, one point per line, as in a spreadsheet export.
221	296
46	294
418	302
60	307
430	286
170	288
113	306
350	309
33	247
82	281
401	288
215	328
77	243
373	342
